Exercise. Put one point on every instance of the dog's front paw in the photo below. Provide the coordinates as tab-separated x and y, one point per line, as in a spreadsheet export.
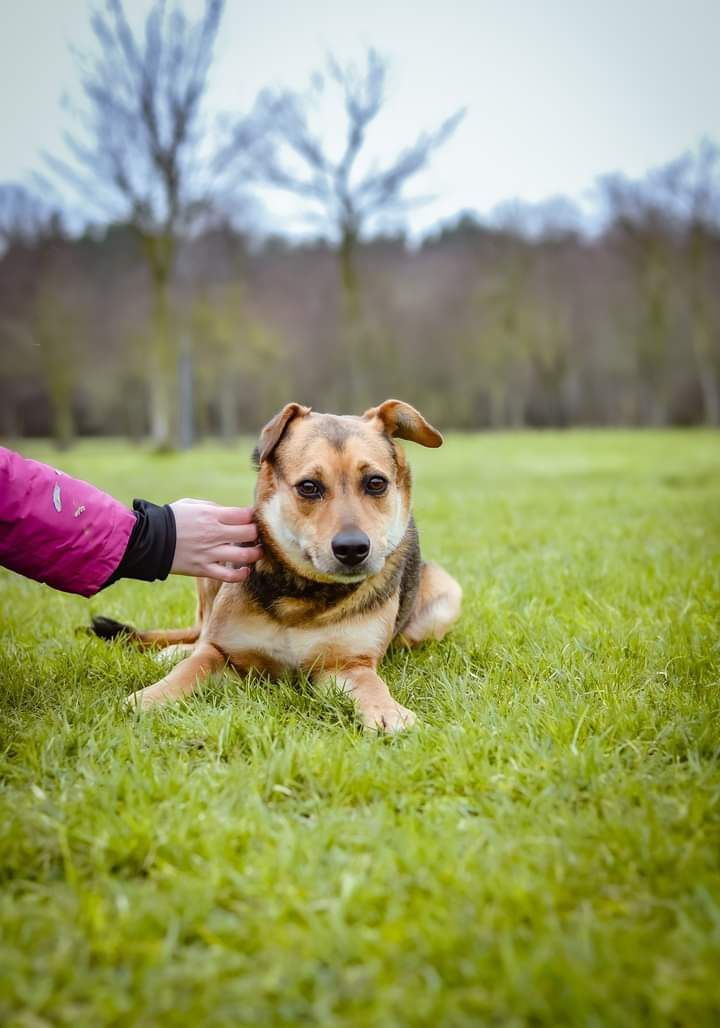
390	717
141	700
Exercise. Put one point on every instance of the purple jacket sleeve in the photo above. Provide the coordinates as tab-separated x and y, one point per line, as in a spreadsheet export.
58	529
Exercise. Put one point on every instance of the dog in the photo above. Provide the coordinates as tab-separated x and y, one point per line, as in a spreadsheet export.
341	574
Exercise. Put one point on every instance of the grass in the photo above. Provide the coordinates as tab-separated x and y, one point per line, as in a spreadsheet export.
543	850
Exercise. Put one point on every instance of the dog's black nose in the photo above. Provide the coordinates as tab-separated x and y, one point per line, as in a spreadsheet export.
351	547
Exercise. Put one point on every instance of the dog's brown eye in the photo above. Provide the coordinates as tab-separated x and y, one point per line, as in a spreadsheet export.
309	489
376	485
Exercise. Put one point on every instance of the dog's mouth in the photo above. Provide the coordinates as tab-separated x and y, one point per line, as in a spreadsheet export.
332	570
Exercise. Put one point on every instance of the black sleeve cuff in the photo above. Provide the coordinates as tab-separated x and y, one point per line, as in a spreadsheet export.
151	547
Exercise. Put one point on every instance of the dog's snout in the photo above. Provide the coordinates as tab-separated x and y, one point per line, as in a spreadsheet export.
351	547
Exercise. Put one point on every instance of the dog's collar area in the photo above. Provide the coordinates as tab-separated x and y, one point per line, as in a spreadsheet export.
277	580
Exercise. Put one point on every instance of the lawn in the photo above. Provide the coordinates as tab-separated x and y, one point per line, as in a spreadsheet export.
543	849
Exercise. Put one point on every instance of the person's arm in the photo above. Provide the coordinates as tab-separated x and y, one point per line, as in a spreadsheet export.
57	529
75	537
189	537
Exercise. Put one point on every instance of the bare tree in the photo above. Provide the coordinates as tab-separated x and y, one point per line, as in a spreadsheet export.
138	155
279	146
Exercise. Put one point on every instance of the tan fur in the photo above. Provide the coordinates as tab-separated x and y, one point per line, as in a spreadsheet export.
341	640
437	606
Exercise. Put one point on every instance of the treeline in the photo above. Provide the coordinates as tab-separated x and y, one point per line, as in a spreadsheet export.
480	326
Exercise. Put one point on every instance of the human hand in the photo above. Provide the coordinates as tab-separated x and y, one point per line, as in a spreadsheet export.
208	535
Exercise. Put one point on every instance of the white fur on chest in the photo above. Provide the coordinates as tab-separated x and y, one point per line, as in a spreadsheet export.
306	647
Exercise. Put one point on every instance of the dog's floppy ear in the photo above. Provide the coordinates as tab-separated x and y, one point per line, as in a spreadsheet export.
273	431
401	420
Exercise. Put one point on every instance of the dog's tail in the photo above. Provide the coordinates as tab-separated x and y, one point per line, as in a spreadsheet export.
109	629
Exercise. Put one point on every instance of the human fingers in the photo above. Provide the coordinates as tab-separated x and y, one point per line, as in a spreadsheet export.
234	515
237	554
237	533
225	574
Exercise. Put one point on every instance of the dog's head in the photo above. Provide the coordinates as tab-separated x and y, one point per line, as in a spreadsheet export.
333	492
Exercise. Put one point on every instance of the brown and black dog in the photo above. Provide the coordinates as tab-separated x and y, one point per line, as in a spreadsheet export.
341	574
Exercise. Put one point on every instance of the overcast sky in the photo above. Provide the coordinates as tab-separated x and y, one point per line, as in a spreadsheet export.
557	92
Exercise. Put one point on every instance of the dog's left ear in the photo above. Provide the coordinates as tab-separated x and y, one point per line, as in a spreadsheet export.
401	420
273	431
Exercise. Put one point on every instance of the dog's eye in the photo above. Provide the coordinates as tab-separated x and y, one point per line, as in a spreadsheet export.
376	485
309	489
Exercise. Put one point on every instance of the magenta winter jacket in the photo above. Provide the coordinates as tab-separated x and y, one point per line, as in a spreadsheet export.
58	529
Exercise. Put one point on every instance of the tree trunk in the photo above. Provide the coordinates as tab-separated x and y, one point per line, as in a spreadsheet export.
352	321
63	422
162	369
163	357
58	366
186	420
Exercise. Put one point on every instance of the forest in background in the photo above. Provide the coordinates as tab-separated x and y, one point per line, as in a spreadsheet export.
174	317
479	326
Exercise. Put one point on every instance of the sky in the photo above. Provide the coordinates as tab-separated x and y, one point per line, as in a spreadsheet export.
557	92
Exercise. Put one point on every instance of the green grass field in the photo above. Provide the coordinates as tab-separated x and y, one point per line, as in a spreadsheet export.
544	849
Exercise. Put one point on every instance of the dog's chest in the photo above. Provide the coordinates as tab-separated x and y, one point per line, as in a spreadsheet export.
263	643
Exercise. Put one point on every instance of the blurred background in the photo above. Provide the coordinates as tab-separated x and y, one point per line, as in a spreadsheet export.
506	214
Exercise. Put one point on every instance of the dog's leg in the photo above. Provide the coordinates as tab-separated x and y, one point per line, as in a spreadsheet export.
437	606
176	652
376	707
182	679
157	638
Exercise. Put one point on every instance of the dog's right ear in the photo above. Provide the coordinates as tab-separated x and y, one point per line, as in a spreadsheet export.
275	428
